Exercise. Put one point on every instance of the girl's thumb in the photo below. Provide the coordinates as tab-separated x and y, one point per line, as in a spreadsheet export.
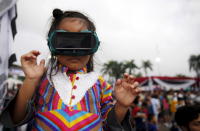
42	63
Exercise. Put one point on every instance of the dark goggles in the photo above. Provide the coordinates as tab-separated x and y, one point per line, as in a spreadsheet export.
82	43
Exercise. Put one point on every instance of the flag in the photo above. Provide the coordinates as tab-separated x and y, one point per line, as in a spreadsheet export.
8	15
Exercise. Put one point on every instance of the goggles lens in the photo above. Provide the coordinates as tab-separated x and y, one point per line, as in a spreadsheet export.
73	43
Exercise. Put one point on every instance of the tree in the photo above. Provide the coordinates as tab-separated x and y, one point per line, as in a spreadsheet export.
146	65
194	64
180	75
139	74
113	68
130	66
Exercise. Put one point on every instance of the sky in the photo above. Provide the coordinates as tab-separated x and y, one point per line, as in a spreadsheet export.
166	32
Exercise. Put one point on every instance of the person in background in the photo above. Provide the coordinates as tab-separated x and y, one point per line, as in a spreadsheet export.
140	113
156	105
151	123
188	118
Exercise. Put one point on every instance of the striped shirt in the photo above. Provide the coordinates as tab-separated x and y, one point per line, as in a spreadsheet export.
75	107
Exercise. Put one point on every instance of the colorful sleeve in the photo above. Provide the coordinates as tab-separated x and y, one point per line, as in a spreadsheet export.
106	98
107	110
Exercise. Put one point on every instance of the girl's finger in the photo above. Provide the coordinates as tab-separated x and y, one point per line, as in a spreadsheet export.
118	82
135	90
35	52
126	76
138	90
134	87
126	85
42	63
28	58
131	79
31	55
135	84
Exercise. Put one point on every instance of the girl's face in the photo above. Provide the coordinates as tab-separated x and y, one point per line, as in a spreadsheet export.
73	25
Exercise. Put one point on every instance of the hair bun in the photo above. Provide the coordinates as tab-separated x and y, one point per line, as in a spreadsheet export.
57	13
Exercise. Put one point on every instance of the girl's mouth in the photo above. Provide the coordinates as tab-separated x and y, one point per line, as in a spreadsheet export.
73	59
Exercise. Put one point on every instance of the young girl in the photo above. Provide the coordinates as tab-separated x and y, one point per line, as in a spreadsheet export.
68	95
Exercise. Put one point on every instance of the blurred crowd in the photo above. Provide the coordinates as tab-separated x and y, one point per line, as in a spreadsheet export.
151	110
155	110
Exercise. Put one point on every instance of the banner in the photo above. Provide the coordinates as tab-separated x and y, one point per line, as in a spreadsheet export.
166	83
7	32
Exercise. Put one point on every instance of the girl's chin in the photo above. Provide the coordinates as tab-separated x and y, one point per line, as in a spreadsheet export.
74	67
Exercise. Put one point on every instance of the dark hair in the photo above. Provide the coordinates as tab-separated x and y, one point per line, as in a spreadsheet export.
150	117
186	114
155	96
136	101
58	16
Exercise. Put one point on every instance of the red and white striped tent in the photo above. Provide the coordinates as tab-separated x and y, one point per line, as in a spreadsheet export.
167	83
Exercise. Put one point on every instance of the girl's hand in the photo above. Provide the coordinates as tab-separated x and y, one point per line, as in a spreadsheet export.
32	70
125	90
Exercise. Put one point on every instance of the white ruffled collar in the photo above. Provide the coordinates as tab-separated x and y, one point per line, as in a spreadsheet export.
63	85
